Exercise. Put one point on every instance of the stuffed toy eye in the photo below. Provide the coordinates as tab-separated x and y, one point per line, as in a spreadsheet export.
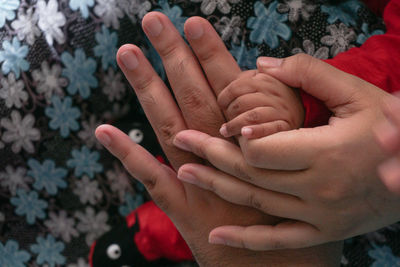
136	135
114	252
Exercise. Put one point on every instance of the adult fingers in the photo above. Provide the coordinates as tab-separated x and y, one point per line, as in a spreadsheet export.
159	180
253	117
285	235
389	172
218	64
156	100
185	75
242	193
288	150
228	158
314	76
388	132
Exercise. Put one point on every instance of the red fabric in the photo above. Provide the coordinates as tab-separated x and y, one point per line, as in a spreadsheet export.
376	6
158	237
376	61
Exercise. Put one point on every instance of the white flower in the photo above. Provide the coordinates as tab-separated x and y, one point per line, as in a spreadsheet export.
13	92
14	179
109	12
117	111
119	181
309	48
135	8
297	8
50	21
340	38
93	224
26	27
229	28
80	263
209	6
61	226
87	134
88	191
113	87
20	132
49	81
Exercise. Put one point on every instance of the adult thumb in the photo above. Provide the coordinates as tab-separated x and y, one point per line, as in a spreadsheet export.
319	79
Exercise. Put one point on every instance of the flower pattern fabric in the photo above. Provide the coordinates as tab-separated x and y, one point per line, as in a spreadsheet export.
59	80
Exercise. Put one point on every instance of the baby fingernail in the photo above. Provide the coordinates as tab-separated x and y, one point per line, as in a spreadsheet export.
223	131
246	131
129	60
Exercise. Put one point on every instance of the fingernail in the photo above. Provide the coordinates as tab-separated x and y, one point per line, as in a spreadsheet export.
216	240
186	177
223	131
104	139
195	31
129	60
388	135
246	131
180	144
269	62
153	26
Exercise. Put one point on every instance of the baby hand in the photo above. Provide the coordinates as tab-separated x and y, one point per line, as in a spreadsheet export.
258	105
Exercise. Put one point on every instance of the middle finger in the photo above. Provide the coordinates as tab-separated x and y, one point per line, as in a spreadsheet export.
193	94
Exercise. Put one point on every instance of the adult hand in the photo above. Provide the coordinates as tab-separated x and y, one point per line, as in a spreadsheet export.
388	136
195	212
324	179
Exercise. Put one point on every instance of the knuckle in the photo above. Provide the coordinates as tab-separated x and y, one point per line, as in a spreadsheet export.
168	51
210	54
253	200
240	171
253	116
191	97
143	83
166	131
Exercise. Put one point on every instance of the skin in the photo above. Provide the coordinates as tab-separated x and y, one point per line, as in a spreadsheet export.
324	179
388	136
194	211
259	105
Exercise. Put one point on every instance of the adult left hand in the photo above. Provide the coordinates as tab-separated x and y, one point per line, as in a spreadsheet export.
323	179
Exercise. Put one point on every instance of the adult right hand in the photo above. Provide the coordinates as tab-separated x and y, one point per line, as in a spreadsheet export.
194	211
324	179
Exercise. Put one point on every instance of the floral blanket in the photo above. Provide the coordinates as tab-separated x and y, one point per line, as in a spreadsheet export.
59	189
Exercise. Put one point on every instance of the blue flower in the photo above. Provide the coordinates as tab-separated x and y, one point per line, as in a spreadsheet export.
79	71
268	25
246	58
85	161
82	5
362	37
49	251
107	47
47	176
7	8
13	57
63	115
346	12
383	257
174	14
132	202
11	256
30	205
